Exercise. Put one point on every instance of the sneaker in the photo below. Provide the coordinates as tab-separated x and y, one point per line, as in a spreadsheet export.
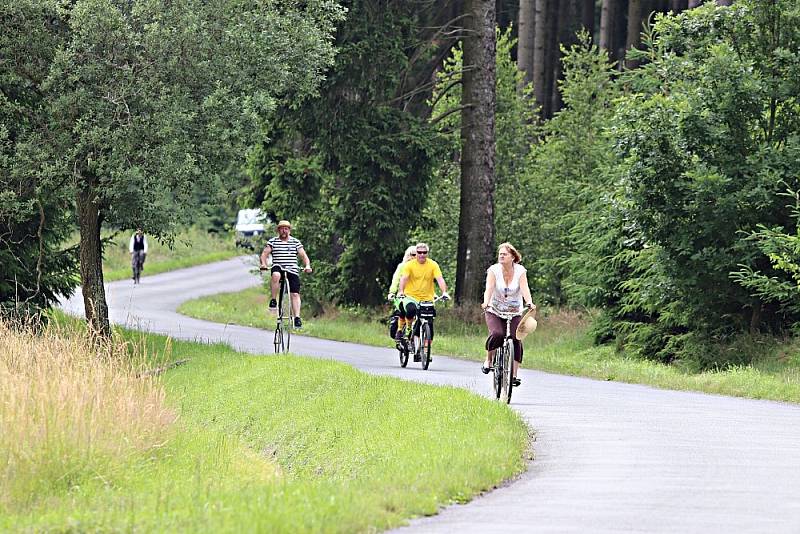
273	304
298	323
516	382
417	357
485	370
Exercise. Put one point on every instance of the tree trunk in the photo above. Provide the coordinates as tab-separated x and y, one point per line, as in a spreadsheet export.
91	263
724	2
552	53
607	14
476	220
569	20
634	29
527	17
539	53
694	3
678	5
587	16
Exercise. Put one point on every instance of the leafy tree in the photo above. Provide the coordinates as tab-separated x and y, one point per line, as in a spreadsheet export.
352	166
568	175
137	105
706	140
33	216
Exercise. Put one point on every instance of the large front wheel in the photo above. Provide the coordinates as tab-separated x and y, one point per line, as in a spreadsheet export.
425	345
286	316
508	371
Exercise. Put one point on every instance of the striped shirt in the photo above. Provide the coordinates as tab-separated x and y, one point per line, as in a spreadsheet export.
284	253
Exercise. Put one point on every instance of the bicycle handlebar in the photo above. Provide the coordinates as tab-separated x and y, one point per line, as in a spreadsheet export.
434	301
504	315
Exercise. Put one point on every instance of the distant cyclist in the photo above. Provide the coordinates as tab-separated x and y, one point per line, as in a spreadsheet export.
138	249
416	285
506	291
285	249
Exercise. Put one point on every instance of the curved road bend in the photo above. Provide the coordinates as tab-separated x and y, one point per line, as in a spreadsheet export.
610	457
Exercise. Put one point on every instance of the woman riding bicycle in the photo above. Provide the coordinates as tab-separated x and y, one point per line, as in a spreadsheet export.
506	292
400	312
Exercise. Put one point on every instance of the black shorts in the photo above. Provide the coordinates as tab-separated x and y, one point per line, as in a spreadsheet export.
294	279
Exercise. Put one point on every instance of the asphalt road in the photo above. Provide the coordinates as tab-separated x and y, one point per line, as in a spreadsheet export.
609	457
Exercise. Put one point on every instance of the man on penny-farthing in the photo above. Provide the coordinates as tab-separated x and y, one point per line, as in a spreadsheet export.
285	249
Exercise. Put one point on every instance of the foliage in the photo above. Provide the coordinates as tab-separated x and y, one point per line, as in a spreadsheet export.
352	166
783	251
33	214
567	174
705	139
140	108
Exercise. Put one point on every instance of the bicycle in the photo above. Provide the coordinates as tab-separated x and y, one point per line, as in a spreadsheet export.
283	332
137	265
503	362
424	314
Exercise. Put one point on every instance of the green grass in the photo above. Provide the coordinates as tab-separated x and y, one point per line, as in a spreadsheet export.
560	345
191	247
288	444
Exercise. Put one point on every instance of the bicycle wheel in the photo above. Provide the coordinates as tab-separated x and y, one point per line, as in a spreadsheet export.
425	345
285	306
403	350
508	371
135	266
497	371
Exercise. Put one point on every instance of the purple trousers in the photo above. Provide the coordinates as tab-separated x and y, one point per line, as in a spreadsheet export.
497	333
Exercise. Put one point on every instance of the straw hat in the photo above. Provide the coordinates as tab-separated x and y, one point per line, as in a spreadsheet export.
527	324
285	223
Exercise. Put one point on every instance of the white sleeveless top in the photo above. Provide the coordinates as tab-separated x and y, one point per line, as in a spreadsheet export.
506	298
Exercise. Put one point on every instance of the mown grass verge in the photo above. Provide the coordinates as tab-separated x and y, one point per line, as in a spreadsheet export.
265	444
560	345
191	247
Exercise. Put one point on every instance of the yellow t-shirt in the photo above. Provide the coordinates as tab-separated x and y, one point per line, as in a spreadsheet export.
420	279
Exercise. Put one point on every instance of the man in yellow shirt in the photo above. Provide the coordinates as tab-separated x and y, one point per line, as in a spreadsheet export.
416	285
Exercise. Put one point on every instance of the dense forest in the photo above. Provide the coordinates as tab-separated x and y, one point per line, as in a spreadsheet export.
643	155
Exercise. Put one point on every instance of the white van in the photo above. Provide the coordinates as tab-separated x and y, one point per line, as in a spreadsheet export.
249	224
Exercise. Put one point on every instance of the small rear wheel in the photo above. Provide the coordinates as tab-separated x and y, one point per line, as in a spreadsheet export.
278	339
425	345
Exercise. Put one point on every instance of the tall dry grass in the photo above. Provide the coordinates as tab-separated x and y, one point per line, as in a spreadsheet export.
71	415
